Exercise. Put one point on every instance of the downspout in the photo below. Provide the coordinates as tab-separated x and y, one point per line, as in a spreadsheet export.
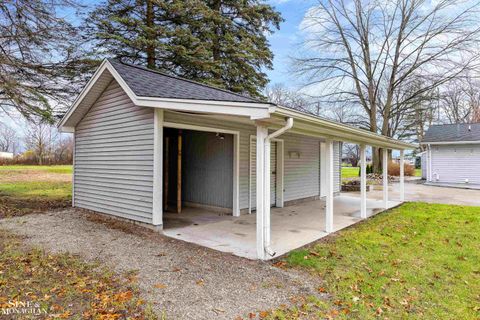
268	139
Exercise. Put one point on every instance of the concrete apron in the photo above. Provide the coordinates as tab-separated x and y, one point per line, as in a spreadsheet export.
292	226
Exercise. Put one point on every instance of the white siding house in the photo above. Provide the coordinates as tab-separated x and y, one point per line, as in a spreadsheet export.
147	143
452	155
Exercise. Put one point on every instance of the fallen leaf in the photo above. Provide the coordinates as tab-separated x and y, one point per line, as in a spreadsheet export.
160	286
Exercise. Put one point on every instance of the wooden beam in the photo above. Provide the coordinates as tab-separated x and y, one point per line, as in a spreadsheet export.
165	173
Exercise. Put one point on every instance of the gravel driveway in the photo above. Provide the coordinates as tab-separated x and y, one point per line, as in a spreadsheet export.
183	280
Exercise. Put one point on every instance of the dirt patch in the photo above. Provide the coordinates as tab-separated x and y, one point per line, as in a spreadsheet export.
14	207
183	280
12	176
62	286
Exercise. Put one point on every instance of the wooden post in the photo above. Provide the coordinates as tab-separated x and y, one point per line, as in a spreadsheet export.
165	174
363	182
179	173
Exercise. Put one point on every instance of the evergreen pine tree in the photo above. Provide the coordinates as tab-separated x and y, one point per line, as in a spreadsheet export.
218	42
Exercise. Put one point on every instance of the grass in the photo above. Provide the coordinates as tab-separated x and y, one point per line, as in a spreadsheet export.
66	169
62	286
418	172
352	172
25	189
349	172
417	261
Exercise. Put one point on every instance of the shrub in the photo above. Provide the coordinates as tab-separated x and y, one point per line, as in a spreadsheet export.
369	169
394	169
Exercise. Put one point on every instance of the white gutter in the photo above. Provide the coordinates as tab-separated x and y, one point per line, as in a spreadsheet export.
282	130
268	139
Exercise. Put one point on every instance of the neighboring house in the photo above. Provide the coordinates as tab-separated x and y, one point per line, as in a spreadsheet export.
6	155
452	155
146	143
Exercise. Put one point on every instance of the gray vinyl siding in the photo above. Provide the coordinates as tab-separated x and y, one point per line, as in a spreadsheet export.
301	175
455	163
207	169
114	157
245	132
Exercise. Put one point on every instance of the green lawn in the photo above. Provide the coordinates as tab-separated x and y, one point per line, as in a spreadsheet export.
349	172
417	261
24	189
418	172
352	172
52	169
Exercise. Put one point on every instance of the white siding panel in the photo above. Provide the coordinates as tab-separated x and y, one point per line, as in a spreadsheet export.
337	165
114	157
456	163
301	167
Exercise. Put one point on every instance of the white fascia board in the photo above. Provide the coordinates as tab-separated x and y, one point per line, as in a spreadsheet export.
452	142
254	111
249	109
338	130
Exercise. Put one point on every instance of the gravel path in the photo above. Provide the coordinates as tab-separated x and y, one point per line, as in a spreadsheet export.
199	283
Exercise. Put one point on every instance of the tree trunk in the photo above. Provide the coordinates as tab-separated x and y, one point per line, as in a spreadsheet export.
150	23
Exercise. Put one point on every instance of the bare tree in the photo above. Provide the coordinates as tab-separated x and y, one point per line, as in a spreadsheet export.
281	95
9	140
365	52
352	153
40	139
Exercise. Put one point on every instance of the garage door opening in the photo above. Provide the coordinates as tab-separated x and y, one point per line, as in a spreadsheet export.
198	174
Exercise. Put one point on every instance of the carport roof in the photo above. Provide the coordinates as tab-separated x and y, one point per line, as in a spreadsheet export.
460	132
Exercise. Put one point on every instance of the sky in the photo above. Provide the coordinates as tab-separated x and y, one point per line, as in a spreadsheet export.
285	42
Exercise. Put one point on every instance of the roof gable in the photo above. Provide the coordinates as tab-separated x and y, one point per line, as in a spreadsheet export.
149	88
461	132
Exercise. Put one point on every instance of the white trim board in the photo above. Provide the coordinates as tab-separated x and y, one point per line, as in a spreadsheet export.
236	157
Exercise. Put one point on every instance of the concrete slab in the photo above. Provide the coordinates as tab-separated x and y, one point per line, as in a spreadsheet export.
427	193
292	227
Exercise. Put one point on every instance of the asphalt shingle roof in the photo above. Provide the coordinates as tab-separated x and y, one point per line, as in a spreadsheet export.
148	83
453	133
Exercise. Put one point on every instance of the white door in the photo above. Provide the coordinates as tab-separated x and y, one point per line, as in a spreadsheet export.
253	173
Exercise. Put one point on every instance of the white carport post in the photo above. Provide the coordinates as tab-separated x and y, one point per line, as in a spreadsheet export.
329	187
262	133
402	175
363	182
385	177
157	204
